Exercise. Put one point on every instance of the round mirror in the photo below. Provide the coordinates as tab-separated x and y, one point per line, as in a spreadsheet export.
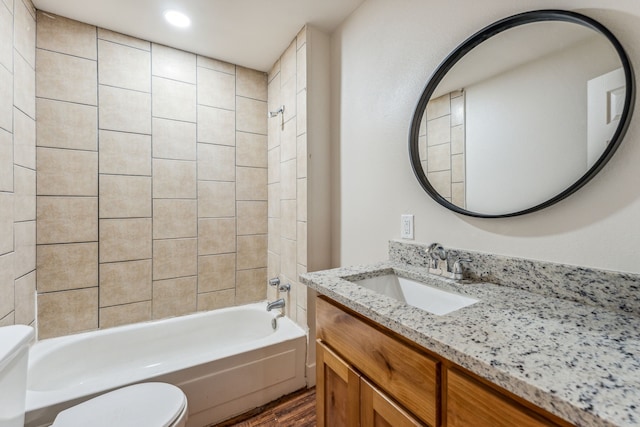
522	114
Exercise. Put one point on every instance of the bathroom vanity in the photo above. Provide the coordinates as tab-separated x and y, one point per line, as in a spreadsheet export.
513	358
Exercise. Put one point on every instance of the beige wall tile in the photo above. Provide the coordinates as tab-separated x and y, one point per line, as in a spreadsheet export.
288	180
25	295
301	116
64	35
301	159
215	300
251	183
288	141
66	125
273	209
125	282
251	286
288	64
123	66
274	72
216	126
6	161
174	297
24	140
25	248
124	153
216	89
457	139
216	199
6	222
441	182
288	97
288	257
216	162
6	99
125	239
175	218
457	168
214	64
175	258
67	172
7	284
301	301
174	139
174	100
123	39
216	236
8	320
216	272
457	111
6	38
173	63
125	314
24	30
251	150
439	157
288	215
301	199
301	243
458	194
67	312
124	110
252	217
422	148
301	68
273	236
439	131
273	268
251	115
66	78
439	107
252	252
273	164
66	219
174	179
251	83
124	196
68	266
24	86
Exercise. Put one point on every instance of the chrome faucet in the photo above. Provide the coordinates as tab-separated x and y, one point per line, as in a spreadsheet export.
438	263
279	303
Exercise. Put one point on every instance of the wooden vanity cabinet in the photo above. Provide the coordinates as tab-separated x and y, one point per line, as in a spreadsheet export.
370	376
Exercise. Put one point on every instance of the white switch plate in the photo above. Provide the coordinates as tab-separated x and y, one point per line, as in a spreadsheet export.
406	224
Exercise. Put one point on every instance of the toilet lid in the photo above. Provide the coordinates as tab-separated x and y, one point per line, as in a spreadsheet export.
139	405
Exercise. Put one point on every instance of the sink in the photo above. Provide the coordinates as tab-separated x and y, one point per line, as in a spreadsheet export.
416	294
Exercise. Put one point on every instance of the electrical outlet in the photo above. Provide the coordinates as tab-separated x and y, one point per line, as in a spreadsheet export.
406	224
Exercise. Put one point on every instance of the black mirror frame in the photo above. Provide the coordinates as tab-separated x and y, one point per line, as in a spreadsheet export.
481	36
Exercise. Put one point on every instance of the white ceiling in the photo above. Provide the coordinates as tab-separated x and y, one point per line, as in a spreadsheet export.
251	33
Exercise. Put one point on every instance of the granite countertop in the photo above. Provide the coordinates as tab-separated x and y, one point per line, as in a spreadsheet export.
577	361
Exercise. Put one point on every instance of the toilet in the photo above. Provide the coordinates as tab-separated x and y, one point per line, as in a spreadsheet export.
141	405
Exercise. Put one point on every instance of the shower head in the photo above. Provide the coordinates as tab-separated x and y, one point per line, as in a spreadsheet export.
275	113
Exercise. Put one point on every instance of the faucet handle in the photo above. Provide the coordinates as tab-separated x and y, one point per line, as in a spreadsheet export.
274	282
457	266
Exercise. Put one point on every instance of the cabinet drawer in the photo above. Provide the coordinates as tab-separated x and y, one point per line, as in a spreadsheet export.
407	375
470	403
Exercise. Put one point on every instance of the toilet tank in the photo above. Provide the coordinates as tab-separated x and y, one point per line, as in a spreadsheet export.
14	354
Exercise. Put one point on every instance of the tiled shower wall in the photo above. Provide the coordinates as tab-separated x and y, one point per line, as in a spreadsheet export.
287	157
17	162
152	180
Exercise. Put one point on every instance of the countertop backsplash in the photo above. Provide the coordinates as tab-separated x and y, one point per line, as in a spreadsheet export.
601	288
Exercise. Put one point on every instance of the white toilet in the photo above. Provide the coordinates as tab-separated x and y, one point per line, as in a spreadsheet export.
139	405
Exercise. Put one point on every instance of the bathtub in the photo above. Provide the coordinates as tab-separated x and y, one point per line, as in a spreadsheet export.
226	361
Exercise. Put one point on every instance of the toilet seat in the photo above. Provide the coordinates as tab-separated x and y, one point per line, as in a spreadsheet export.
139	405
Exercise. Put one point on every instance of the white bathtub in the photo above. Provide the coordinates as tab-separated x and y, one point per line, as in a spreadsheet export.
226	361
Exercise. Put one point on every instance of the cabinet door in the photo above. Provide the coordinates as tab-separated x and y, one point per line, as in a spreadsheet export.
470	403
337	390
378	410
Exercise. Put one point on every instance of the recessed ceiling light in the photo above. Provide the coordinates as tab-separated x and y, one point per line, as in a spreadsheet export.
176	18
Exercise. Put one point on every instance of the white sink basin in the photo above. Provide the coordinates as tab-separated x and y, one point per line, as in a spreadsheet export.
417	294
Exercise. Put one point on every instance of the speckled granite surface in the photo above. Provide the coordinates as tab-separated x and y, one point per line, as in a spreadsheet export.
577	361
608	289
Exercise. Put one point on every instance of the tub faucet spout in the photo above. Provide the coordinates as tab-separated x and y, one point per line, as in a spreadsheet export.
279	303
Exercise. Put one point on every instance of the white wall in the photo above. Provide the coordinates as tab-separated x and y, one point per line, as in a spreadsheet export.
382	57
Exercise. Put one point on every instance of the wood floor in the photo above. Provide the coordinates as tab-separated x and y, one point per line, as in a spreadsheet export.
294	410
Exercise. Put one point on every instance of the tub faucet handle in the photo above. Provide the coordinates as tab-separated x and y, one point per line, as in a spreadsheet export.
285	287
274	282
